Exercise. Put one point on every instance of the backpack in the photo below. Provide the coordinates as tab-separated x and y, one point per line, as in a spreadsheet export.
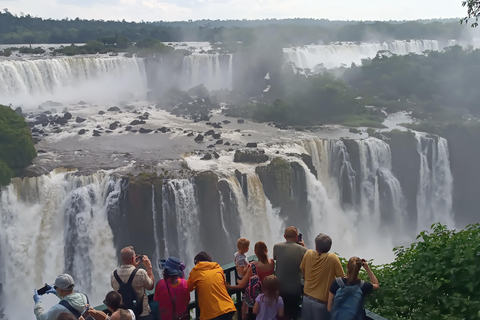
129	297
254	287
74	311
348	302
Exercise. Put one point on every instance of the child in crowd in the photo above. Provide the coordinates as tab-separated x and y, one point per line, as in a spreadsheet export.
241	263
269	304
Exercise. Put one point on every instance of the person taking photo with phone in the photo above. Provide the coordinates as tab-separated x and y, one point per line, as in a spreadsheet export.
132	282
70	302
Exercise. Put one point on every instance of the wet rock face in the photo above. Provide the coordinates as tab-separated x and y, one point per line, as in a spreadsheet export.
279	178
138	224
464	147
406	167
254	156
210	214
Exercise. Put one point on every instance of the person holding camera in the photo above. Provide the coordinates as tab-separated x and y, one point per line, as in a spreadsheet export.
319	269
347	294
70	302
288	256
132	282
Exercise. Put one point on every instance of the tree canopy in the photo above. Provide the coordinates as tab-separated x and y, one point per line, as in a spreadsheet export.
16	145
434	278
28	29
473	11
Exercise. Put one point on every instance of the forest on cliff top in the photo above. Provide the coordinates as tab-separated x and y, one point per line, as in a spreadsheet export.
26	29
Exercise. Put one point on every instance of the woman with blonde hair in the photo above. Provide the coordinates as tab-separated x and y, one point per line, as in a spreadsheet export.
351	290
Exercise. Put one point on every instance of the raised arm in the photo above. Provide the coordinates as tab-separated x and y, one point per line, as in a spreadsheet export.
371	276
244	282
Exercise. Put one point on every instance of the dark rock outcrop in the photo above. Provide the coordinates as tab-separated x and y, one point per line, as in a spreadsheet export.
80	119
251	145
137	122
143	130
250	156
284	185
199	138
113	109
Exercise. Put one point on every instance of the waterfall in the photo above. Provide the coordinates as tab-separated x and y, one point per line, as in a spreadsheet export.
259	220
181	227
155	230
380	189
70	79
435	185
213	70
54	224
345	53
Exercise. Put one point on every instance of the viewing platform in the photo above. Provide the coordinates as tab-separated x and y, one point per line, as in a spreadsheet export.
230	276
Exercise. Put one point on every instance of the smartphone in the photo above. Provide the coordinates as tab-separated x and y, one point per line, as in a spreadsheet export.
139	257
300	237
43	290
84	312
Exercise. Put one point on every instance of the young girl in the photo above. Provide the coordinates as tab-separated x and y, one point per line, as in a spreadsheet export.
269	304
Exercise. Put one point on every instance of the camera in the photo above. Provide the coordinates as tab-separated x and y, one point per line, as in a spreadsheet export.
139	257
300	237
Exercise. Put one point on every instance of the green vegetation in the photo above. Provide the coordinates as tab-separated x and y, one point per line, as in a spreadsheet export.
434	278
29	29
473	11
314	100
16	145
439	88
117	44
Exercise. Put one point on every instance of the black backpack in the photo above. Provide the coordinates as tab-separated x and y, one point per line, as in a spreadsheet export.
129	297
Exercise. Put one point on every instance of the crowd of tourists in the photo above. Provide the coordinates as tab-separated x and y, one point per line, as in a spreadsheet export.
295	283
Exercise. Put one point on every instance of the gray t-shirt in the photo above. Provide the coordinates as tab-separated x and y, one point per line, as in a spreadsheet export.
289	256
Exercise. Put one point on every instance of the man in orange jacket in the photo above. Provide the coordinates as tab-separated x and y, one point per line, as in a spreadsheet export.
209	280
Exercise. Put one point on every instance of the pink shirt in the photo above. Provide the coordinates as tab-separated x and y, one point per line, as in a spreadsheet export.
179	292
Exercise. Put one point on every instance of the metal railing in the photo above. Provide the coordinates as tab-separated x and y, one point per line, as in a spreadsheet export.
231	276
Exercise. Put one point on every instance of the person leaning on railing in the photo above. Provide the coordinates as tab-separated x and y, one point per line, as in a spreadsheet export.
208	278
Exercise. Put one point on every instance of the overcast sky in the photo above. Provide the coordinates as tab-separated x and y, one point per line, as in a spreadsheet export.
154	10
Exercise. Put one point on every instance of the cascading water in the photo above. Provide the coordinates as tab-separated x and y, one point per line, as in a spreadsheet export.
259	221
213	70
381	193
181	225
334	55
155	230
54	224
69	79
435	185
